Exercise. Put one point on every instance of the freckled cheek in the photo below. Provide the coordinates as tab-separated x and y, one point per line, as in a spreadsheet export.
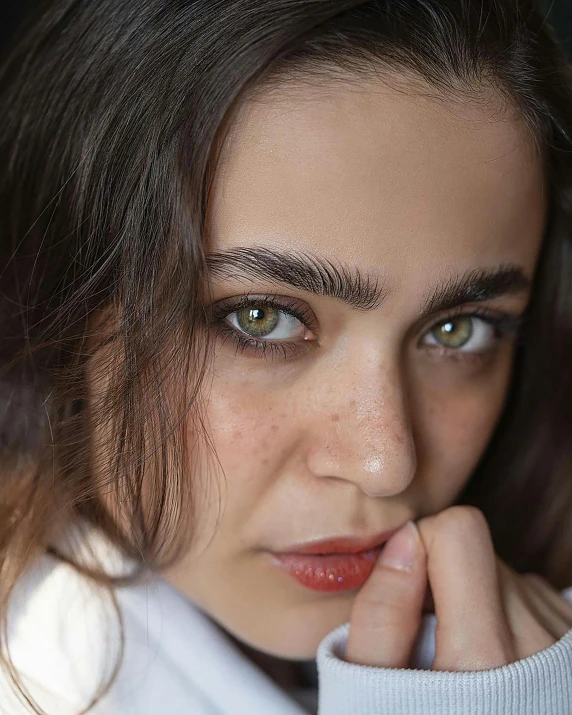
248	432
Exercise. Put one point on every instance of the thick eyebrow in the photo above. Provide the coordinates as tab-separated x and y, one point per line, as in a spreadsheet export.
361	291
477	285
304	271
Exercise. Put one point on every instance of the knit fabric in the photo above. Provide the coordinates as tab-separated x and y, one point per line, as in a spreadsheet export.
538	685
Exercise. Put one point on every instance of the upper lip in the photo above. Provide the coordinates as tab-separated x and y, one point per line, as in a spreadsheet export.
340	544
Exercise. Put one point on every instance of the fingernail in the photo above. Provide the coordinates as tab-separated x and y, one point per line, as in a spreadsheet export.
401	550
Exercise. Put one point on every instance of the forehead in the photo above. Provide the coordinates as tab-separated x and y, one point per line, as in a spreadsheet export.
381	176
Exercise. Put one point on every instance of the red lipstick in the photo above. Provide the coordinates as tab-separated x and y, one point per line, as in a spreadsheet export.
333	565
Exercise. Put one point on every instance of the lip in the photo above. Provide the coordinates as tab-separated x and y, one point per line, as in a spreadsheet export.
341	544
332	565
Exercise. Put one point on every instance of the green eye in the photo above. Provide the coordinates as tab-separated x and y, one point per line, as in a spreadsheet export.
455	332
258	322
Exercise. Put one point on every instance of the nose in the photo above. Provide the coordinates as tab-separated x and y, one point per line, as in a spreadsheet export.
359	430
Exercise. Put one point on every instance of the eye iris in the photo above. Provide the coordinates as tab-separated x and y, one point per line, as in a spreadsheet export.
454	333
258	321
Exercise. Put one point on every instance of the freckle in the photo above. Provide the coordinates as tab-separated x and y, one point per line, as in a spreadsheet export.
237	434
273	428
352	403
264	461
335	418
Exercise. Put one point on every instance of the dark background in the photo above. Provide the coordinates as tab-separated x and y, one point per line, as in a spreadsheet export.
559	14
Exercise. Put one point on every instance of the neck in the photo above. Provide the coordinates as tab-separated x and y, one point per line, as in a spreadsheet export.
285	673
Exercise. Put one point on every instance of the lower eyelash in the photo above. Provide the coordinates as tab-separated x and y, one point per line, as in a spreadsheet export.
259	347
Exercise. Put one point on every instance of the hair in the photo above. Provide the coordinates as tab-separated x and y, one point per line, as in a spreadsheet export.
115	115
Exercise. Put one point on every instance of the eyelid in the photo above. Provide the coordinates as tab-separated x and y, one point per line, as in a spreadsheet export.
292	306
502	321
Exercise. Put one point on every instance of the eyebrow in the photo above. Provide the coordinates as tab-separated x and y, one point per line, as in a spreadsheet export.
361	291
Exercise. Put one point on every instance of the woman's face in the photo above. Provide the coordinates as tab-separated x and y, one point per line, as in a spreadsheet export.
373	216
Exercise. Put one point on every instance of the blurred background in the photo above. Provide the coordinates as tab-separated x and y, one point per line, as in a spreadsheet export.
559	14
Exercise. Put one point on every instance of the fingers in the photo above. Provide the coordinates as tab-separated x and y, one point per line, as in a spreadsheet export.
386	613
554	610
487	614
472	631
530	632
538	614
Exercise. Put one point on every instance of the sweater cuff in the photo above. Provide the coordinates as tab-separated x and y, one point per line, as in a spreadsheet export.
538	685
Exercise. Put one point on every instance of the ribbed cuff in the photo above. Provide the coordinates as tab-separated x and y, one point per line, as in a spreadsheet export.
538	685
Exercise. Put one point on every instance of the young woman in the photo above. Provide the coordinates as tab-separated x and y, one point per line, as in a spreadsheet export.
286	331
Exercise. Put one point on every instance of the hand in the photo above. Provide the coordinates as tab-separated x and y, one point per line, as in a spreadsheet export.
487	614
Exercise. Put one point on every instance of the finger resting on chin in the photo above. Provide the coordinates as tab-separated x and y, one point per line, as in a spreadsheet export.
472	631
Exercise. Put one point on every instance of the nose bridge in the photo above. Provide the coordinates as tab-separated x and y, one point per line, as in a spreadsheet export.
364	433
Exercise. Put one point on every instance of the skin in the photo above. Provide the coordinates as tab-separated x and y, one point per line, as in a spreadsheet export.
487	615
366	428
296	438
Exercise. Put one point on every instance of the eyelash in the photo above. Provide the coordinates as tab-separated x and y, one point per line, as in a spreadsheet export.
503	325
290	306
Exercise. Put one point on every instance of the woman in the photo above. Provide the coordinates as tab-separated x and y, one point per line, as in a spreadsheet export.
286	340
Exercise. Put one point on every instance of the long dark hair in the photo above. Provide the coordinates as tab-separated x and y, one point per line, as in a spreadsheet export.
114	115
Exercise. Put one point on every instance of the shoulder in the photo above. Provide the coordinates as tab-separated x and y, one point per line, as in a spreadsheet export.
13	703
63	636
66	636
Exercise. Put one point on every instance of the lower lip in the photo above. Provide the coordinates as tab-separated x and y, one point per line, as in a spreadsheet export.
330	573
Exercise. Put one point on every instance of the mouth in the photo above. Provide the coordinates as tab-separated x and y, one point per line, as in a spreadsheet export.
333	565
329	572
341	544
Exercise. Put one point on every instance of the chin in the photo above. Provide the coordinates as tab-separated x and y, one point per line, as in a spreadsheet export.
295	633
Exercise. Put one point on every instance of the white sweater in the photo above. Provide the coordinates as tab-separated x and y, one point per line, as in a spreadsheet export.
177	661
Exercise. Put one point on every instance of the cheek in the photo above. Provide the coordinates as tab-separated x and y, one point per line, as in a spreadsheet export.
456	429
251	432
244	428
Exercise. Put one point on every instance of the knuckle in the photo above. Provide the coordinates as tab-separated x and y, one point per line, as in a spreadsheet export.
466	516
463	519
